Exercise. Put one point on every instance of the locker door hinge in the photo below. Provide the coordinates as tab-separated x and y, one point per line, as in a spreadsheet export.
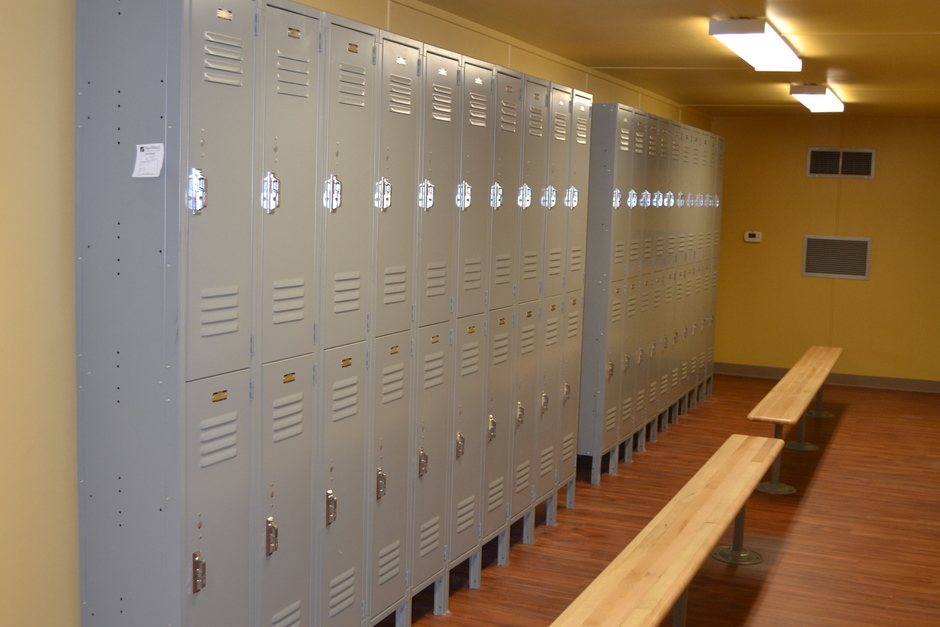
412	342
407	578
320	42
459	77
314	373
367	359
420	66
532	492
251	391
480	530
515	295
445	552
486	303
508	510
412	312
270	192
199	572
197	197
451	305
564	284
270	535
375	55
368	322
257	26
314	333
451	334
251	345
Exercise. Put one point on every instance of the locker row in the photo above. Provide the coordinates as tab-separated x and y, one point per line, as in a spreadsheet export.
652	273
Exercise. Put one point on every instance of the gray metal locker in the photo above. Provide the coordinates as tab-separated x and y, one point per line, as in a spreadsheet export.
525	417
635	198
534	193
570	392
551	337
672	187
475	193
348	182
389	471
642	343
652	199
500	419
396	185
507	195
554	198
286	202
218	470
467	437
339	498
432	449
630	418
281	535
437	196
671	339
576	196
655	396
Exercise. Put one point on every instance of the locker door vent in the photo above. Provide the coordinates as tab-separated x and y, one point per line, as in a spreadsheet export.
841	163
434	370
574	323
400	94
561	126
442	103
508	114
626	408
293	76
616	310
395	285
218	439
611	418
547	461
287	419
567	447
551	331
472	274
346	292
522	476
436	279
624	139
581	130
836	257
288	300
393	383
536	121
503	269
469	358
290	616
527	339
342	591
430	536
530	265
577	256
352	85
495	494
345	398
466	513
478	109
389	562
554	261
500	349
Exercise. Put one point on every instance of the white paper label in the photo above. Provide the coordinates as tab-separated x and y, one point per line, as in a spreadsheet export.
149	162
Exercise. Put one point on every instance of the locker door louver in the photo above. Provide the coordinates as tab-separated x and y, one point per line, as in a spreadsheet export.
352	85
574	324
288	417
836	257
508	114
478	109
393	383
469	358
290	616
503	269
389	562
495	494
581	130
293	76
561	126
500	348
345	398
288	300
399	96
342	591
536	122
223	60
442	103
841	163
218	439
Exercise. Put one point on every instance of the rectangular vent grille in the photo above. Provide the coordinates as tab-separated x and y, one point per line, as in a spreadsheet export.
442	103
430	536
574	323
508	114
500	349
400	94
466	513
345	399
567	447
288	305
290	616
352	85
342	591
434	370
836	257
395	285
469	358
841	163
287	418
393	383
503	269
495	493
390	559
479	106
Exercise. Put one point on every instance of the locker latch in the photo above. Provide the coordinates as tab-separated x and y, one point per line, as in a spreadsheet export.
626	362
680	199
670	199
652	349
520	414
699	200
525	196
645	199
270	534
199	572
571	197
631	198
332	193
270	192
463	195
665	343
675	338
639	356
381	481
567	396
383	194
491	429
544	402
331	507
717	200
422	463
197	196
496	196
426	195
658	199
549	197
610	369
618	199
461	445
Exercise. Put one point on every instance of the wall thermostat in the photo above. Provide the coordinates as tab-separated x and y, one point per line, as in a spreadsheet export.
753	236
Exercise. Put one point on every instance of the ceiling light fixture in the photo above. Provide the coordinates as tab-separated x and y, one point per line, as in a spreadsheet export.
817	98
757	42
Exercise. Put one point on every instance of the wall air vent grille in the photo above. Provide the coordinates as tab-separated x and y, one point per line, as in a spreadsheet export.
841	163
836	257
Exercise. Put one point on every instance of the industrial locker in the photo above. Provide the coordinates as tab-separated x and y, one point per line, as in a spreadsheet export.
630	419
570	391
437	195
534	195
525	417
475	196
467	433
636	197
348	183
652	201
389	471
550	395
340	478
576	196
432	449
507	194
554	198
500	419
396	185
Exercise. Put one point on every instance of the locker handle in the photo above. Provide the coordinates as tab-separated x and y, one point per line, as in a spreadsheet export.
463	195
426	195
665	343
549	197
332	505
461	445
383	194
610	369
270	533
626	362
670	199
680	199
332	193
198	195
639	356
544	402
632	198
567	395
496	196
571	197
491	429
658	199
618	199
381	483
270	192
520	414
199	572
422	463
645	198
525	196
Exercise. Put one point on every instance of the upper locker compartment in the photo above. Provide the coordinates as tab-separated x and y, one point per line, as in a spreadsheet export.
534	193
217	198
553	197
437	213
347	188
475	193
286	202
396	185
576	196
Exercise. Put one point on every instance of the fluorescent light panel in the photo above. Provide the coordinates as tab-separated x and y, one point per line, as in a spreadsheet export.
758	43
817	98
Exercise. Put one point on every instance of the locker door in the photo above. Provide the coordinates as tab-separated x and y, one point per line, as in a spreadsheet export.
526	411
629	365
571	386
576	197
634	197
437	215
655	397
499	421
648	198
218	201
348	185
432	450
281	538
476	179
642	344
551	334
534	192
671	337
673	186
218	464
507	199
556	215
339	500
287	200
467	436
396	189
612	366
389	518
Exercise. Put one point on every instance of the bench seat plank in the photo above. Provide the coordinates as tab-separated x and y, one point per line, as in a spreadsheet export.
787	401
641	585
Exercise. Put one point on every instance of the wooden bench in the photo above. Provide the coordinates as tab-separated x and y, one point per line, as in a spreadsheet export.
651	575
787	402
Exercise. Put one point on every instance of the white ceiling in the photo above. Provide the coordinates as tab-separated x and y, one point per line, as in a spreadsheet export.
881	56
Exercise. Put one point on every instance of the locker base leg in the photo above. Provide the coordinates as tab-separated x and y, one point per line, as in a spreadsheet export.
627	455
441	594
403	615
664	421
674	413
569	501
640	438
652	429
683	410
710	386
475	561
612	461
502	548
701	391
551	508
692	396
596	461
528	527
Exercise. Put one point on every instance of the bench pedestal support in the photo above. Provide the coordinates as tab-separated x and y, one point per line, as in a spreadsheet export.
679	609
801	444
736	553
774	486
818	412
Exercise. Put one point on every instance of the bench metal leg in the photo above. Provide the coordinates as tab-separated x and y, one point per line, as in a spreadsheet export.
736	553
801	444
818	412
679	609
774	486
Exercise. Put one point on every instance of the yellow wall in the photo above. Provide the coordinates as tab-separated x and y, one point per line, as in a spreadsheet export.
767	313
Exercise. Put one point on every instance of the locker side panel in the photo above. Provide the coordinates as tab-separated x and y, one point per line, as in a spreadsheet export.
286	202
397	185
554	199
571	388
281	539
526	411
551	398
535	192
577	194
500	420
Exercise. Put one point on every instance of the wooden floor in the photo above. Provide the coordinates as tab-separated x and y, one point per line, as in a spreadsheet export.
859	544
